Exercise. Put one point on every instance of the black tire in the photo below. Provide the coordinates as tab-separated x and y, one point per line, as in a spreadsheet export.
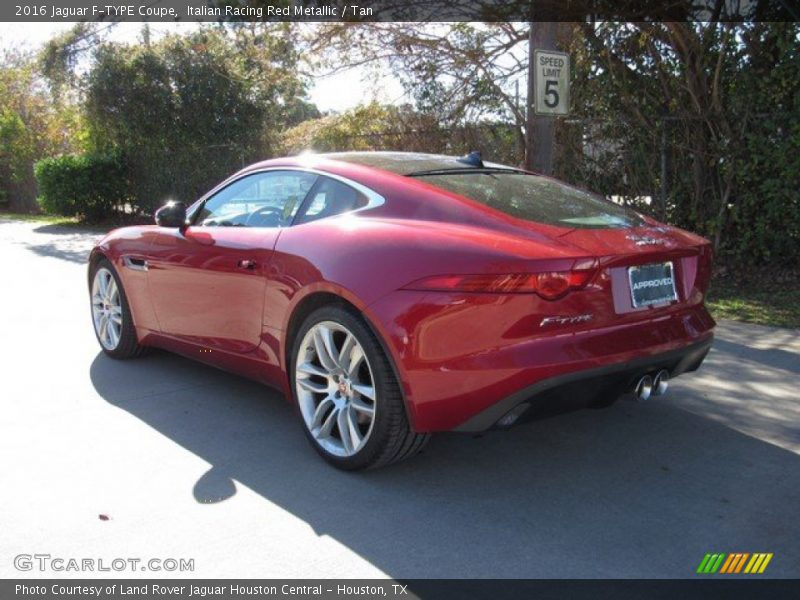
128	346
391	438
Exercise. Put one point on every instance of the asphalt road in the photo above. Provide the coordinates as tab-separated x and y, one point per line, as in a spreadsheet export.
190	462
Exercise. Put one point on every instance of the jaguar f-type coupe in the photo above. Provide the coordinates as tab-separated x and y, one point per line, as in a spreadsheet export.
393	295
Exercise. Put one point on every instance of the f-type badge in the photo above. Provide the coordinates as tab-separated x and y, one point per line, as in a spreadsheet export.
566	320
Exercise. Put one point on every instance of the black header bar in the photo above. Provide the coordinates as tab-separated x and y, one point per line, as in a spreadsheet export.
702	587
398	10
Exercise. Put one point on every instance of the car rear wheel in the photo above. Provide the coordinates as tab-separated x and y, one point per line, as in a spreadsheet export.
111	315
347	395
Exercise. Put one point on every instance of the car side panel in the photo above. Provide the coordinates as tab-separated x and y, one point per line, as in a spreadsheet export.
372	257
261	364
202	293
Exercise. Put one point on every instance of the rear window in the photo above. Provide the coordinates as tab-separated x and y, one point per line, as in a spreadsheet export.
536	198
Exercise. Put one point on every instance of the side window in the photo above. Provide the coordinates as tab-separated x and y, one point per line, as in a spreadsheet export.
268	199
330	197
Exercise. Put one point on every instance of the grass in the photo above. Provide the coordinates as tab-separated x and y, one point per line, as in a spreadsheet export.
49	219
766	302
106	225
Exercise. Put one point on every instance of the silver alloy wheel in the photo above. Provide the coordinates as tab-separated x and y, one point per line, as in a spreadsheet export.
335	388
106	309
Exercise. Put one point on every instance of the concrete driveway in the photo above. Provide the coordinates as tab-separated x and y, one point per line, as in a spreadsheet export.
189	462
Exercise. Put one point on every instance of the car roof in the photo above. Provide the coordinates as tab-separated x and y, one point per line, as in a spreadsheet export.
404	163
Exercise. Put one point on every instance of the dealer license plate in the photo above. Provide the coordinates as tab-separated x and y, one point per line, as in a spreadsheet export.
652	284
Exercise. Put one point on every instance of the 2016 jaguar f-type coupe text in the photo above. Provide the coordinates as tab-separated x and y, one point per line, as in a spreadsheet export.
392	295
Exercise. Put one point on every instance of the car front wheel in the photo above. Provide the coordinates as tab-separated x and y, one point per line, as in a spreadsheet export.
348	397
111	315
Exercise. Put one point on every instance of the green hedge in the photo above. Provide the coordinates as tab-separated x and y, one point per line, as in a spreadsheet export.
89	186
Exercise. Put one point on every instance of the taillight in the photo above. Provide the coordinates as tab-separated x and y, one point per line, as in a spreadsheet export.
550	286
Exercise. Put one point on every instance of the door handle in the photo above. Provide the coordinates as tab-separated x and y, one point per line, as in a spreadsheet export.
246	264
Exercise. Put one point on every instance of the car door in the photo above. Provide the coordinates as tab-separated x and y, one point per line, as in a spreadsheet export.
208	280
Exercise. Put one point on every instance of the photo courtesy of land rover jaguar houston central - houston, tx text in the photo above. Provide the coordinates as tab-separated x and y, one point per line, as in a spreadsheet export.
392	295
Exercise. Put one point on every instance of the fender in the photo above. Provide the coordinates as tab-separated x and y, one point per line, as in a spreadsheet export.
369	318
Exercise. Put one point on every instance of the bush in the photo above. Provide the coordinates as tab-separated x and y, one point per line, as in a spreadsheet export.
84	185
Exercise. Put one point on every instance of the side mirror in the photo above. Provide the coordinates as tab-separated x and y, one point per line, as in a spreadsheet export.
172	214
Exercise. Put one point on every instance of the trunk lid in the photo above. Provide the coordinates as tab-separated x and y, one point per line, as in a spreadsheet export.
632	246
617	250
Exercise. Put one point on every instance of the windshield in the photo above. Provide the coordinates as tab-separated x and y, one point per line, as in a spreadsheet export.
536	198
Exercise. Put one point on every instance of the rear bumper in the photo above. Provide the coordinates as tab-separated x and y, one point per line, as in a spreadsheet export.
585	388
465	361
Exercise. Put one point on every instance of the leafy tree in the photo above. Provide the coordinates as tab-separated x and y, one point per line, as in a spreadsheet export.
693	94
670	117
33	124
365	127
387	127
186	111
762	221
455	72
58	59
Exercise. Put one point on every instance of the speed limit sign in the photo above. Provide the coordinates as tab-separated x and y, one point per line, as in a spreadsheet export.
551	82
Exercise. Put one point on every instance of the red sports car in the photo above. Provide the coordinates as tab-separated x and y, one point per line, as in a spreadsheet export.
392	295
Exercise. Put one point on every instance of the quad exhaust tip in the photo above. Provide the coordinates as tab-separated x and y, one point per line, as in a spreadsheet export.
661	382
644	388
651	385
